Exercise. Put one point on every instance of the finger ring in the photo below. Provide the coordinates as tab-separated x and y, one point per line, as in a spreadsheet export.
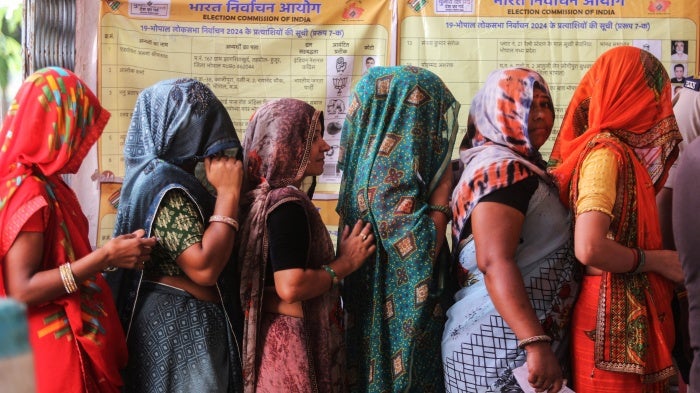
364	237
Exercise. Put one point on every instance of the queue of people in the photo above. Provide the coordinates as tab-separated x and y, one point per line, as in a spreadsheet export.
222	277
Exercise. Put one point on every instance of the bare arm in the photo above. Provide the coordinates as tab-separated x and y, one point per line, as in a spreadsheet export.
441	196
26	283
293	285
595	250
497	229
203	262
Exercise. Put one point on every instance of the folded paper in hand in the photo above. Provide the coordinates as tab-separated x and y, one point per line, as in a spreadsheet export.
521	374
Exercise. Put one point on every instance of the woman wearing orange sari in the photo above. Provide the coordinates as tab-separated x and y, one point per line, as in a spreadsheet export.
45	256
616	143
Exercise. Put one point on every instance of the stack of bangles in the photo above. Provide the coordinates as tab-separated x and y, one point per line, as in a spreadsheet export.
543	338
226	220
68	278
639	260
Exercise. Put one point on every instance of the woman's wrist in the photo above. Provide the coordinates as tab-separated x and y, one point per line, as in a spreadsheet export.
638	261
335	280
228	196
444	209
538	339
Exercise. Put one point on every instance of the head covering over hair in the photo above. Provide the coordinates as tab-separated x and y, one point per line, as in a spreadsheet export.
175	122
278	141
623	105
52	123
278	145
396	144
626	93
501	153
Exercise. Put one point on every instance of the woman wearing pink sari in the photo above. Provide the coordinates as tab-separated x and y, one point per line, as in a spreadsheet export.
293	330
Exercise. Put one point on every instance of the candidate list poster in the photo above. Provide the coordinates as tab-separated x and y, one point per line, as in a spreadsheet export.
464	40
247	52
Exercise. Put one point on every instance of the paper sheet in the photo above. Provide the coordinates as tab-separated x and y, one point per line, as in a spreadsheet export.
521	374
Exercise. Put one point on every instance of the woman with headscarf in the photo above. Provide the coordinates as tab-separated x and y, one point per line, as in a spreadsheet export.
289	280
182	315
45	256
616	143
516	266
395	154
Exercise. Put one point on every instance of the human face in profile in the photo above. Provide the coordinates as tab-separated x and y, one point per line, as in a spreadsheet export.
541	119
317	156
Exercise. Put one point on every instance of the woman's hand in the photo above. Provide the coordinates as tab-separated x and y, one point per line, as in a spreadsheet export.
27	283
224	173
356	246
543	367
293	285
497	229
129	251
596	251
666	263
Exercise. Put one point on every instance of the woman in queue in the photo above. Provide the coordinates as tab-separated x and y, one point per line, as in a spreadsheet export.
395	155
182	315
612	155
290	274
46	260
517	273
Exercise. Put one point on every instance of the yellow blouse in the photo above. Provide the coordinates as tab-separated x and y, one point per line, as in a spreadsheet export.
597	183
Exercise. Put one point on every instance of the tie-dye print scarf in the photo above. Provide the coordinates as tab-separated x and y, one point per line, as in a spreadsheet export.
501	152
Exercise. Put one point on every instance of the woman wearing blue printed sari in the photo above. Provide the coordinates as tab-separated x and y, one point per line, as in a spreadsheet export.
396	147
182	314
513	237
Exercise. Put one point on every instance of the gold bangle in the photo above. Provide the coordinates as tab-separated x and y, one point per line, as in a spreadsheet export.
444	209
226	220
67	278
534	339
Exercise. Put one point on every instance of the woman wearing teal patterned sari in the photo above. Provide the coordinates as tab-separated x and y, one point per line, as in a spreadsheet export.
396	146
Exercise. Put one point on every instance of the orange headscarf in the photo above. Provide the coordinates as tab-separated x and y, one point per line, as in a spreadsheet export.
623	104
77	340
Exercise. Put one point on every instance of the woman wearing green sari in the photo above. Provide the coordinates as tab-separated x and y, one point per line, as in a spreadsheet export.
395	151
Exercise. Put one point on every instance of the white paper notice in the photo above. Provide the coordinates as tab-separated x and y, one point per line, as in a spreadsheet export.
521	373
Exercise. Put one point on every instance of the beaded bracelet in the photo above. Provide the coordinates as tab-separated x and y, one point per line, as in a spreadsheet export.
334	276
226	220
534	339
442	209
68	278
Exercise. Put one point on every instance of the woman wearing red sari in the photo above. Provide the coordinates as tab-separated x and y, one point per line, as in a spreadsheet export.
617	141
45	256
